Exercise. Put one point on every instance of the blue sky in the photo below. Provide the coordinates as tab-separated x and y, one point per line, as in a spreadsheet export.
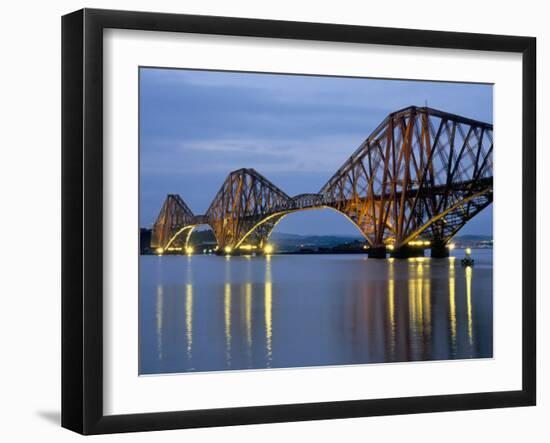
197	126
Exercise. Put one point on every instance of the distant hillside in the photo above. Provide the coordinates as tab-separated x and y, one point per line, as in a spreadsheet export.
285	242
292	242
473	237
473	241
287	236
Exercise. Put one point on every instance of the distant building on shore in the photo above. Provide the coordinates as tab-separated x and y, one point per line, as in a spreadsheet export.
145	241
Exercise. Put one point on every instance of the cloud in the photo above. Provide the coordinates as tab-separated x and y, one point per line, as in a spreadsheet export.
313	154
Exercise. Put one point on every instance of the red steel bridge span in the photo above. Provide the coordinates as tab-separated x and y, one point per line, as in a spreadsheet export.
412	184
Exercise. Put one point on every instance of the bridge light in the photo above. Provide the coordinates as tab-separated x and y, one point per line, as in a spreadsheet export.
451	246
468	251
160	251
419	243
189	250
227	249
390	247
268	249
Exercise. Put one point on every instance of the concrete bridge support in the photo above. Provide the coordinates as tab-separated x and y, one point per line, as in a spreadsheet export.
439	250
407	251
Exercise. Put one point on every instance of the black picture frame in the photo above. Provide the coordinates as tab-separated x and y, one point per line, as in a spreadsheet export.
82	218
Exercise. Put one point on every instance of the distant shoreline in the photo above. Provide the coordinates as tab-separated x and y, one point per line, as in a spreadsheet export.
312	252
204	242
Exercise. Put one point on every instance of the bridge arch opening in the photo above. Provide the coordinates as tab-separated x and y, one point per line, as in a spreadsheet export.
191	239
202	240
315	228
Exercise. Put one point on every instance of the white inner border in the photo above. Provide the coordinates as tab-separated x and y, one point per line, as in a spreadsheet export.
126	392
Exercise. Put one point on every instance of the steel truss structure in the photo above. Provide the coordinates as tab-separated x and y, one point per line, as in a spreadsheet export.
421	174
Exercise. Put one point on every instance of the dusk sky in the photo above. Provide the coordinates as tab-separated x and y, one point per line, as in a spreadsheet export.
197	126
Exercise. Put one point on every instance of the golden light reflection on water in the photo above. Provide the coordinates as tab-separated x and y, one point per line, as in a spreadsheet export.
469	304
419	299
427	305
227	310
424	297
189	309
189	318
248	314
452	305
398	325
227	317
420	313
412	304
268	306
391	306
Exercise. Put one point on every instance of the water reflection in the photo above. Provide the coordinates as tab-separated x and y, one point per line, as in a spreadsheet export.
330	310
158	312
268	306
427	306
391	305
469	303
227	310
227	319
248	317
452	306
413	326
420	313
189	310
189	318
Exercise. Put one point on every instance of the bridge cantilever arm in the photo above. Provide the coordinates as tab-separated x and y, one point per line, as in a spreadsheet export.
444	213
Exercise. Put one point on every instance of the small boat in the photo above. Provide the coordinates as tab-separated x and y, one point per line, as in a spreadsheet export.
468	260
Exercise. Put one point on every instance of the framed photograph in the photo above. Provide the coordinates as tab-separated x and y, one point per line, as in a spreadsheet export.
269	221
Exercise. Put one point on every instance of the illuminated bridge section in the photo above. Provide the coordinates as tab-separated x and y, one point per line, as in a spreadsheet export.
247	207
422	172
418	178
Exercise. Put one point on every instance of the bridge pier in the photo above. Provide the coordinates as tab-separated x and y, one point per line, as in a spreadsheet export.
407	251
439	250
377	252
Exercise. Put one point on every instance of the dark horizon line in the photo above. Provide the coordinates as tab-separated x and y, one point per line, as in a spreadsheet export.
331	235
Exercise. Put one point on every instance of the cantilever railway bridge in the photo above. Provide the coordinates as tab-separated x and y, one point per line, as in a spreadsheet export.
418	178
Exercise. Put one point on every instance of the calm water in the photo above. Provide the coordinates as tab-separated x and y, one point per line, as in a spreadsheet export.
209	313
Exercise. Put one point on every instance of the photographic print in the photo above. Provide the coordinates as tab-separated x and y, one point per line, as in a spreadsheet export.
291	221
